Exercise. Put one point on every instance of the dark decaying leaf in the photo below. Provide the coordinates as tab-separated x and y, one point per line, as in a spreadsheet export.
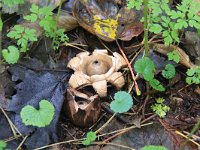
34	87
150	135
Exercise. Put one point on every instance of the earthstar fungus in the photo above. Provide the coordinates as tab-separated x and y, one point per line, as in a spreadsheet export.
96	70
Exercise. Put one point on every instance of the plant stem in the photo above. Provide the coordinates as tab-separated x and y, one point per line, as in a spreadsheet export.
146	46
55	28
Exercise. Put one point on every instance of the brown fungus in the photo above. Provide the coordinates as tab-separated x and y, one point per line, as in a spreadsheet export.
97	69
82	110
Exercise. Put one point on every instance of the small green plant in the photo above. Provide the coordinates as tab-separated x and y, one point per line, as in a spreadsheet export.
48	23
169	71
2	145
135	4
122	102
168	22
146	67
11	54
174	56
23	35
160	108
91	137
154	147
193	75
38	118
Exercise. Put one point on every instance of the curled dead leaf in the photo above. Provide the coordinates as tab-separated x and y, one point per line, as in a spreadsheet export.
109	20
184	58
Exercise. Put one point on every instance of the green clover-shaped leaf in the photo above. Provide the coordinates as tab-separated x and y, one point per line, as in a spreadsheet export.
41	117
169	71
91	137
122	102
193	75
174	56
11	55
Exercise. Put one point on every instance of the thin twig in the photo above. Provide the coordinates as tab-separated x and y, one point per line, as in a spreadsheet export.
64	142
113	144
12	126
12	138
181	134
131	70
22	143
105	124
74	46
124	131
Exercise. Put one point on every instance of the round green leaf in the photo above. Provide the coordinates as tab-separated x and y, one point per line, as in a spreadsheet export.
11	55
169	71
39	118
146	67
122	102
91	137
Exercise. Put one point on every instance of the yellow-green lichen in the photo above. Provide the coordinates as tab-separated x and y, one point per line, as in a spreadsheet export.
106	27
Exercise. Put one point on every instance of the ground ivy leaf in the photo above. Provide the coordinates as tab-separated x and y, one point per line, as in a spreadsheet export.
146	67
122	102
91	137
39	118
193	75
169	71
11	55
